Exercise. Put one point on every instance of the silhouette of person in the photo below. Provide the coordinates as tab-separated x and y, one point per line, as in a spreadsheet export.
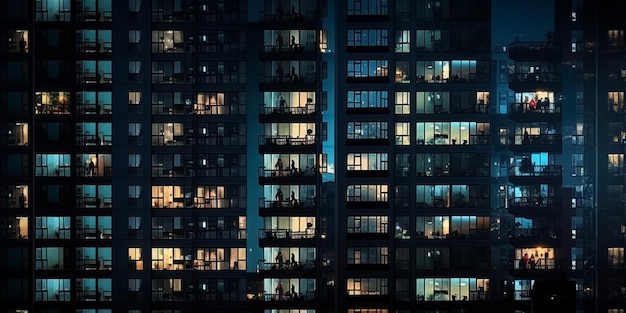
280	11
525	260
294	14
279	166
293	42
526	138
92	168
22	45
279	41
294	77
279	72
282	105
22	201
279	291
279	259
279	197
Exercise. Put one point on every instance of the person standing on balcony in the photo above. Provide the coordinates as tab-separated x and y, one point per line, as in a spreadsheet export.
280	11
293	43
22	45
279	260
279	42
280	73
282	105
22	201
279	167
279	291
279	197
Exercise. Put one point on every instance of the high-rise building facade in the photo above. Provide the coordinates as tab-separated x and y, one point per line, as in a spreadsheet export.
290	144
309	156
413	153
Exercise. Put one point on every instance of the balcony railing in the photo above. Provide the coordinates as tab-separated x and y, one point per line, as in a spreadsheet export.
536	264
286	140
536	170
539	47
542	139
536	233
299	203
533	202
298	296
295	172
309	108
309	233
545	107
308	265
540	77
288	79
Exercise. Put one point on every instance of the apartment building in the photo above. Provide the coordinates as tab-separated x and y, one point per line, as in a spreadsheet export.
309	156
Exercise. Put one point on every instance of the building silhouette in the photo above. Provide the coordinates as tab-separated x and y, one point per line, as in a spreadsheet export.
310	156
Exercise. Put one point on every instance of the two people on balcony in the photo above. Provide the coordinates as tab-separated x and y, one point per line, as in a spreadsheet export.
538	104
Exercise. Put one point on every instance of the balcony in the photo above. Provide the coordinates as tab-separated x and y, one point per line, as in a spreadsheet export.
534	205
298	51
287	300
536	268
292	16
545	236
535	81
287	144
284	237
529	51
287	176
300	207
543	111
287	267
302	82
275	114
536	142
525	173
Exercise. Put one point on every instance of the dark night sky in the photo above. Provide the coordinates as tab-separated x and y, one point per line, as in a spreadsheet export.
530	18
